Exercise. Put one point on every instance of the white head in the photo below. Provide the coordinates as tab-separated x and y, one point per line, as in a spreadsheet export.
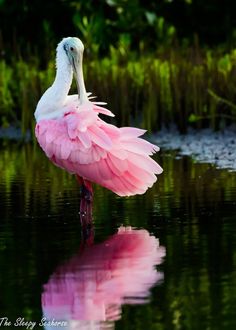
72	49
69	58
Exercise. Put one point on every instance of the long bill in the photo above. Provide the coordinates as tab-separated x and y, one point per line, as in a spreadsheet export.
79	77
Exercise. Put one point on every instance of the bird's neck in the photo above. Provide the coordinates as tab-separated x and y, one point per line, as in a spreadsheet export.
51	104
62	82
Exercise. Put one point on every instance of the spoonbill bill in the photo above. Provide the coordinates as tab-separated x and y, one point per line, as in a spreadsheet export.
75	138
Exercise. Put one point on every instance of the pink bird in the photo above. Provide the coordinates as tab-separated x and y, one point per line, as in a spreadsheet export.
75	138
87	292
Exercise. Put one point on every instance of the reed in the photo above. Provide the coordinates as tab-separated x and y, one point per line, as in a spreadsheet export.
184	87
6	94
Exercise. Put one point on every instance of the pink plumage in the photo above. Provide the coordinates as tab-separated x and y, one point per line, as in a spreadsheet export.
75	138
94	284
83	144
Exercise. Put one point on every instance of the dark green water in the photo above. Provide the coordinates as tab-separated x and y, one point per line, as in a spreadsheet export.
191	210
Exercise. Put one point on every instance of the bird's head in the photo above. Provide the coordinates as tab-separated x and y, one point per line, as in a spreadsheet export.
72	48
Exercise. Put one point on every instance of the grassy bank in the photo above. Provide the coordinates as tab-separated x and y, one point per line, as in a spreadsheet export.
182	87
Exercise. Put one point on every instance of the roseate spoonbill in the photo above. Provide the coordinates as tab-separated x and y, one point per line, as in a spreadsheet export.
74	137
87	292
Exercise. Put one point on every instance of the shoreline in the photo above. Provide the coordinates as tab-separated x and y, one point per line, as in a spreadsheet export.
14	133
204	146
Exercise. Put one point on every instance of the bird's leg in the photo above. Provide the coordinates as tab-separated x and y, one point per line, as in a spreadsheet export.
86	220
86	189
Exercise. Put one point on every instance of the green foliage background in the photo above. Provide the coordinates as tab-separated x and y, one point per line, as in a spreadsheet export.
154	62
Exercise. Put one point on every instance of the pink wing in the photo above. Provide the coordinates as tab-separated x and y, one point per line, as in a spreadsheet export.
116	158
94	284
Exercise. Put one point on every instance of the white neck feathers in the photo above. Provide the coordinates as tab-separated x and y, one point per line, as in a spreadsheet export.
52	101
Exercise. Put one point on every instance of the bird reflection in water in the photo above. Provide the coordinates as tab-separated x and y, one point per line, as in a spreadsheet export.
87	291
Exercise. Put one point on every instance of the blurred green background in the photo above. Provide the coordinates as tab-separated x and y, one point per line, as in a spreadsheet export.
154	62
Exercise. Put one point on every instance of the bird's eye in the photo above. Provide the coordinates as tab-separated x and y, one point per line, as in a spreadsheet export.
72	48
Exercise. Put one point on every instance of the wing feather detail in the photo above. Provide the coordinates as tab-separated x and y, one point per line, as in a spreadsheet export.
116	158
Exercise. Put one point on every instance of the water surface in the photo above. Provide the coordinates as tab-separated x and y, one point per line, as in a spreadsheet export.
187	220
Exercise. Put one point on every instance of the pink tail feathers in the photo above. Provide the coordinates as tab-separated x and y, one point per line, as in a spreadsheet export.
136	172
115	158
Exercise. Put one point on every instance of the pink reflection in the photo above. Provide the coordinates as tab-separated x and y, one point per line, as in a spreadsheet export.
89	289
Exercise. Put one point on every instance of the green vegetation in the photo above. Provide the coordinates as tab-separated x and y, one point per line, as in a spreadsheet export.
182	87
155	63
